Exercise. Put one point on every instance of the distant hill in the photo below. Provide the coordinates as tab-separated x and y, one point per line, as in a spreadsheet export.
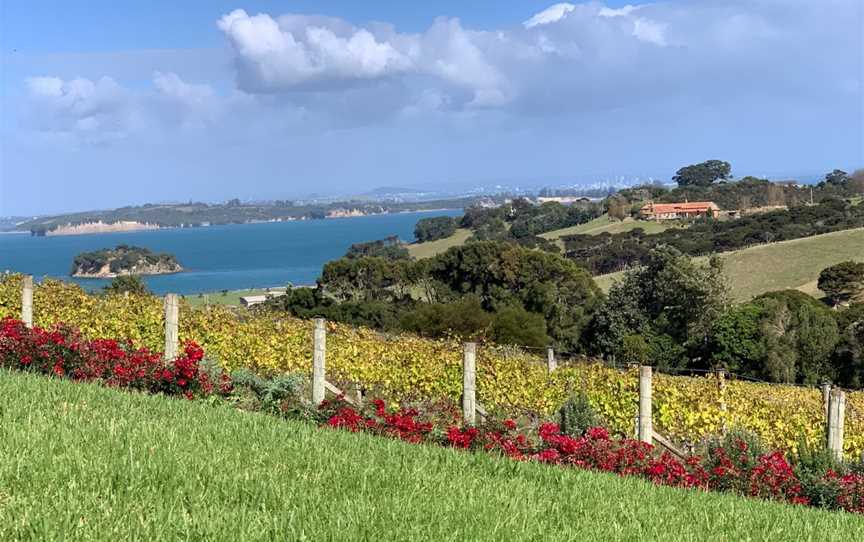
203	214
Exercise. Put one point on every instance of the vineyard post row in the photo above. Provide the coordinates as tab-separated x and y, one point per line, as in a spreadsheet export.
833	399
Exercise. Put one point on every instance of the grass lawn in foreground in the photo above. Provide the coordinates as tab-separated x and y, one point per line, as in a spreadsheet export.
794	264
79	462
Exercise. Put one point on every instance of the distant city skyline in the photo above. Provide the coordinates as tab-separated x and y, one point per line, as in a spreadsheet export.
121	103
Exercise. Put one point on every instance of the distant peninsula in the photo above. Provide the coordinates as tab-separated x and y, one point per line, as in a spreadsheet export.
192	215
123	260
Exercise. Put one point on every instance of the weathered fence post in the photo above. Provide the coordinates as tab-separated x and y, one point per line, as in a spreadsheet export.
646	429
826	398
319	351
721	393
551	362
469	384
836	414
27	301
172	326
357	394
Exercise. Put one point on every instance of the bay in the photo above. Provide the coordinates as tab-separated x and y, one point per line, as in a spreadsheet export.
230	257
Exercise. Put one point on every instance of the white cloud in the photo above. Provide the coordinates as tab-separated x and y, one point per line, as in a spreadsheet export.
551	14
97	111
620	12
272	57
649	31
567	59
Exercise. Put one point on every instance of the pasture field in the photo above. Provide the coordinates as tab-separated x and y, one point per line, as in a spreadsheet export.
433	248
794	264
604	224
87	463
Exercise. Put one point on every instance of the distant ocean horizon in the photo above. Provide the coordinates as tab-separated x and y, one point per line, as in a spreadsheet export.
228	257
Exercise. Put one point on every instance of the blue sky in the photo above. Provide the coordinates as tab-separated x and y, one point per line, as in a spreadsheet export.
112	103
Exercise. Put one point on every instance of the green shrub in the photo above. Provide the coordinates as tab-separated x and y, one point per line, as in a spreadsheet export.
282	394
577	416
810	467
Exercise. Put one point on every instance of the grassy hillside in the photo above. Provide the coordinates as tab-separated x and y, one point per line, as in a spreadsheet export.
603	224
86	463
596	226
432	248
789	264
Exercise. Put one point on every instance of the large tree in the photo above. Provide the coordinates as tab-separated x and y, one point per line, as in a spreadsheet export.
843	281
671	300
434	228
703	174
784	336
503	275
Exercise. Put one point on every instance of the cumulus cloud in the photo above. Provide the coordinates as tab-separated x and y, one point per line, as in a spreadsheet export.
273	56
589	51
99	111
551	14
299	53
567	59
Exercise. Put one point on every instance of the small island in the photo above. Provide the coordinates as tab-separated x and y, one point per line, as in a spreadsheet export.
123	260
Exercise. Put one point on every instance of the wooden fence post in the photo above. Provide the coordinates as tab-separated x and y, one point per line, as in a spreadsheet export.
469	384
836	414
826	398
319	337
27	301
646	429
551	362
721	392
172	326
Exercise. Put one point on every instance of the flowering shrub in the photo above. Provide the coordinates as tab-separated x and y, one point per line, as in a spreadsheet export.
733	465
63	353
686	409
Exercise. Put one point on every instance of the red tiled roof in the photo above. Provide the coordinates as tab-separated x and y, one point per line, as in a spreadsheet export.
695	206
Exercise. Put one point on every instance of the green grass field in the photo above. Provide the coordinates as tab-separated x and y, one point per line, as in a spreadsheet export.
792	264
231	297
604	224
433	248
79	462
595	227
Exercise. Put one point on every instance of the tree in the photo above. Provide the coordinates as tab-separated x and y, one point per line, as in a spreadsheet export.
843	281
856	182
617	208
800	336
132	284
515	325
784	336
503	274
848	359
434	228
634	349
703	174
838	177
669	296
736	341
464	318
389	248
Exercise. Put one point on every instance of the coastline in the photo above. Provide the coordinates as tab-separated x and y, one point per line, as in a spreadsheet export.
94	228
104	276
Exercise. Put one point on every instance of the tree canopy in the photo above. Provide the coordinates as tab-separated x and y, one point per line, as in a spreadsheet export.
434	228
703	174
843	281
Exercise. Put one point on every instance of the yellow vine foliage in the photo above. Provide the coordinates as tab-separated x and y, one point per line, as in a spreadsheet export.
686	409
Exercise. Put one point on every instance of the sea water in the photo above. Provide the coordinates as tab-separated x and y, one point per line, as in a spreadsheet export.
230	257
